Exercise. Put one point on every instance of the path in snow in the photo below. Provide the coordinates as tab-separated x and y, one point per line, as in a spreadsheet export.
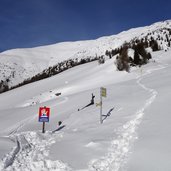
32	150
118	152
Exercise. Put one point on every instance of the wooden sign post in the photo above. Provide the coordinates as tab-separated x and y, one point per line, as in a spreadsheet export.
44	113
103	93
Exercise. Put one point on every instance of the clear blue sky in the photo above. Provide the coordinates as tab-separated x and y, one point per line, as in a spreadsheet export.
29	23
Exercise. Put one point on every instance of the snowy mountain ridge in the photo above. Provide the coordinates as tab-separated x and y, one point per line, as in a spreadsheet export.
18	65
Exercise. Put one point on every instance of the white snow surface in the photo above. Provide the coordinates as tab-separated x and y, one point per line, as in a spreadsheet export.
135	134
136	130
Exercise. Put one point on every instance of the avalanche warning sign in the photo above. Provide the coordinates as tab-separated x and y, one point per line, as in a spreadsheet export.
44	113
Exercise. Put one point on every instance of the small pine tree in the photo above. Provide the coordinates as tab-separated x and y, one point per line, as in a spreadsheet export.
122	61
101	60
137	59
154	45
149	56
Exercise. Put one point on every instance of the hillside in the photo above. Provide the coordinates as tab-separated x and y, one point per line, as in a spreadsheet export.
136	132
19	65
131	128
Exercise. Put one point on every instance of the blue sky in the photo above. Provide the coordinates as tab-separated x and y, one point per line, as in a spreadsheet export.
29	23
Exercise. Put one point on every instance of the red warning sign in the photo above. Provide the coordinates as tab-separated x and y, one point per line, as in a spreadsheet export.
44	113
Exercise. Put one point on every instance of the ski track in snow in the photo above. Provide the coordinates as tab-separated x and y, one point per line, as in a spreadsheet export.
119	150
31	154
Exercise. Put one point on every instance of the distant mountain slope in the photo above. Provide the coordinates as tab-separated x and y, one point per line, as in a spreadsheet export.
18	65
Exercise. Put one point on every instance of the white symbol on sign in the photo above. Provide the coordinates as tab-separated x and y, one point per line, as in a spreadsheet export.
44	113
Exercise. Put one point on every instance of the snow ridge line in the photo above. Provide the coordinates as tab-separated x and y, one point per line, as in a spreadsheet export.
119	150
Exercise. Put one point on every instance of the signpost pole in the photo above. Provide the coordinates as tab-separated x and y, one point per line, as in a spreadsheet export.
101	106
43	128
102	94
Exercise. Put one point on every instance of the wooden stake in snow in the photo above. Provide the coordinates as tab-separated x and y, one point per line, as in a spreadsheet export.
102	94
43	127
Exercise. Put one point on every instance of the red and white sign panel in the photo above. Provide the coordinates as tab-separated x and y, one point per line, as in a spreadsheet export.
44	113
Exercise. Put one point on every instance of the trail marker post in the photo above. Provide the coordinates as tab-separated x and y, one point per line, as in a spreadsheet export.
103	93
43	127
44	113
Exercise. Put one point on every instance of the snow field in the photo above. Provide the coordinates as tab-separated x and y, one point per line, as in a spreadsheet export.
35	151
83	144
119	150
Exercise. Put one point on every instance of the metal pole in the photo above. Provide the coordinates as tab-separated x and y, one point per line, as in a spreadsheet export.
43	128
101	106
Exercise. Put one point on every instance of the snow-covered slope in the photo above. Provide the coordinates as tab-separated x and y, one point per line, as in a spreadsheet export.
19	64
135	133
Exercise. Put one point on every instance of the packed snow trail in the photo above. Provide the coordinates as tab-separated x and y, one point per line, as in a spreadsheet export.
118	152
